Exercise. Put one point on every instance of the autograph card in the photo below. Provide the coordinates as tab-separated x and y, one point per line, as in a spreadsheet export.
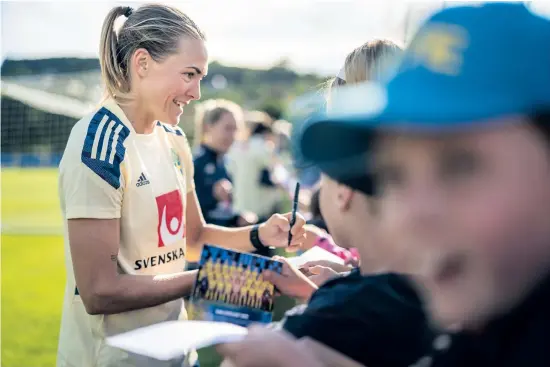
230	287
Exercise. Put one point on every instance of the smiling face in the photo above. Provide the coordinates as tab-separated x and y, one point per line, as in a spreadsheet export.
165	87
471	214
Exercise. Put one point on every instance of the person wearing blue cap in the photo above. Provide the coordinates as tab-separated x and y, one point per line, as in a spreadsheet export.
458	145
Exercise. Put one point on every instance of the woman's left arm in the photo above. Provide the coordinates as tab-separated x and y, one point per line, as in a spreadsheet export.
272	233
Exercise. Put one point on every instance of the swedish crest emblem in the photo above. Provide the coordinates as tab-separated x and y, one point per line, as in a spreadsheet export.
176	160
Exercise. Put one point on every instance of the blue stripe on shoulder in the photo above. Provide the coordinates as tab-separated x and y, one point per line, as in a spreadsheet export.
170	129
104	150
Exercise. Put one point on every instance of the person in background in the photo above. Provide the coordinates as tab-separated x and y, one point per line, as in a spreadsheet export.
217	124
283	174
250	163
282	130
253	117
126	190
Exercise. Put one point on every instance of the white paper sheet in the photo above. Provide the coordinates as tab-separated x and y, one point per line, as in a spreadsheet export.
314	254
172	339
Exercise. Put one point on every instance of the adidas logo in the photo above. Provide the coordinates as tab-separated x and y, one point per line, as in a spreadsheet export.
142	180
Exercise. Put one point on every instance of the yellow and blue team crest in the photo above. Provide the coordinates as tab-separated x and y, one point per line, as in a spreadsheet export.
177	161
439	47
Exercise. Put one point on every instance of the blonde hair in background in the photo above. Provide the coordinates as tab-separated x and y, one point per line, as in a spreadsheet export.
210	111
373	60
154	27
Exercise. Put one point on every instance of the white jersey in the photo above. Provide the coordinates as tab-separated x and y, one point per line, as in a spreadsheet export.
246	161
109	171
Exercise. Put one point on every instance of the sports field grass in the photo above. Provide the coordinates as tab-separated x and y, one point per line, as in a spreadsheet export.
33	279
29	201
33	270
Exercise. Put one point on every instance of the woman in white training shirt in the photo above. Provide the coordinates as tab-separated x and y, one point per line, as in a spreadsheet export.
127	193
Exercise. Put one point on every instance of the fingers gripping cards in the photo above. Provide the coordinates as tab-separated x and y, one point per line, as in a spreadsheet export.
230	287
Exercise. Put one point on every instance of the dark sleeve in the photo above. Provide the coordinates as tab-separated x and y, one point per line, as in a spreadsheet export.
204	191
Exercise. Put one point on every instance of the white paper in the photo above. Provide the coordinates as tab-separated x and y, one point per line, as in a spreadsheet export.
173	339
315	253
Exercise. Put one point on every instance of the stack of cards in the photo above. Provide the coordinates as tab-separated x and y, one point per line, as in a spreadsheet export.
230	287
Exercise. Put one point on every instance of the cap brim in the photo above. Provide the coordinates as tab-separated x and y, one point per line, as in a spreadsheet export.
338	141
338	148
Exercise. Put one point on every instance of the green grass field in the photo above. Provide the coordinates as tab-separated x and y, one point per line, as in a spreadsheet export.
33	270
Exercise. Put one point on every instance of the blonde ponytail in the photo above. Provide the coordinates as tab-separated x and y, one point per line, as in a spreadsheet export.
115	78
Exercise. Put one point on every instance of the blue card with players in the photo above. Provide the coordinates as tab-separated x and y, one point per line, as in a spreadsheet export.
230	287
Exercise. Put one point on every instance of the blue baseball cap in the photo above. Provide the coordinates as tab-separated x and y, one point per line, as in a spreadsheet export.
465	67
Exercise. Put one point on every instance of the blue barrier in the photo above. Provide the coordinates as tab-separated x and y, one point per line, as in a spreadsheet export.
30	159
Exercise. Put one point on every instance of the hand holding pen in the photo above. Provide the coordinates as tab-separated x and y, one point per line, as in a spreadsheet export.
282	230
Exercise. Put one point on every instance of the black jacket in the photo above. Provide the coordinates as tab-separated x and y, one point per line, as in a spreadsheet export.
376	320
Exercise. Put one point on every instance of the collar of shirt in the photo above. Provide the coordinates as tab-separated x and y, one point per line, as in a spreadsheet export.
211	153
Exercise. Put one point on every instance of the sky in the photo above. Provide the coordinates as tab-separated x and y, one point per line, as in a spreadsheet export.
314	35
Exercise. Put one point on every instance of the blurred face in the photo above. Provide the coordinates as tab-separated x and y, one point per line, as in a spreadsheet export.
221	134
166	87
471	214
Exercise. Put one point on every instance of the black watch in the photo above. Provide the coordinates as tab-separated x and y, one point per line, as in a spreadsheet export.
255	238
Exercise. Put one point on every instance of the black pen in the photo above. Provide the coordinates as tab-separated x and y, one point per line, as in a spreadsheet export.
294	210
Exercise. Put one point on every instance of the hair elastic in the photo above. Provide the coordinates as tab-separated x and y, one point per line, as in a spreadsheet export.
128	11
